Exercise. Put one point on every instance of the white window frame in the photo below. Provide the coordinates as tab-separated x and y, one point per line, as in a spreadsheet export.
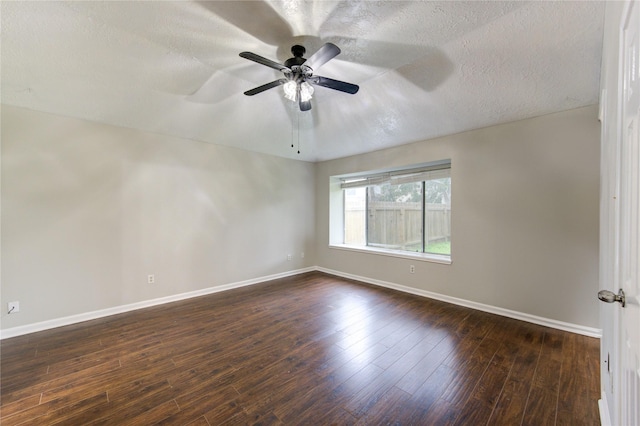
337	185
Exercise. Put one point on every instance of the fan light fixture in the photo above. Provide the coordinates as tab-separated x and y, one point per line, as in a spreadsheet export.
291	91
306	90
298	78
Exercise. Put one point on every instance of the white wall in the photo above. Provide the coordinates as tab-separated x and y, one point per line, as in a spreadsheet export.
524	217
89	210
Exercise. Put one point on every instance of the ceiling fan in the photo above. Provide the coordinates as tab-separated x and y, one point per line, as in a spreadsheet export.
298	78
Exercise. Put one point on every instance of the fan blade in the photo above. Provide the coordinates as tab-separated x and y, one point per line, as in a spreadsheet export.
334	84
304	106
264	87
264	61
327	52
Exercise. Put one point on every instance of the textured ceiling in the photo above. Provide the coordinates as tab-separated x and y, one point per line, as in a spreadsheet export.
425	69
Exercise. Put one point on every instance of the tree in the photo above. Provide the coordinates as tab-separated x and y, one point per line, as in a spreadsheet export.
438	191
403	193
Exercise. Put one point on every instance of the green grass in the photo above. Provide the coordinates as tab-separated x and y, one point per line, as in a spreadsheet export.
443	247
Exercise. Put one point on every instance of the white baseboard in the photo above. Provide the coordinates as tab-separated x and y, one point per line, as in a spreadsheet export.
603	406
73	319
573	328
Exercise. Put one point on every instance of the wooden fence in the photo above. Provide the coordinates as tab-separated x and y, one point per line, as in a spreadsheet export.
398	225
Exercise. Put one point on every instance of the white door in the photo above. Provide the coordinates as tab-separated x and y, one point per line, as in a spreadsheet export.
620	216
629	232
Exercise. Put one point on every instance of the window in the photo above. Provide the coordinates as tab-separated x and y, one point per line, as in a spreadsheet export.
403	210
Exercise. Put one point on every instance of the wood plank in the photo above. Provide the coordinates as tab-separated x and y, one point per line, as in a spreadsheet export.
56	412
424	368
511	405
308	349
441	413
575	393
428	398
195	405
390	406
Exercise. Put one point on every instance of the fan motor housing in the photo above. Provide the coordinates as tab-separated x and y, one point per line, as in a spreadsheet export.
297	51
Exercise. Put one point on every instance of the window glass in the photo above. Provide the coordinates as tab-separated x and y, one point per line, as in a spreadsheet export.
437	219
355	216
395	216
410	213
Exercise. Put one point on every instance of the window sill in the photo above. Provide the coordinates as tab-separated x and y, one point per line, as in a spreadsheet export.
426	257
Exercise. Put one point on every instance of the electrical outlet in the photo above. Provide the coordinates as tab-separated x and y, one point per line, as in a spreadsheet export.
412	269
13	307
302	255
151	279
289	257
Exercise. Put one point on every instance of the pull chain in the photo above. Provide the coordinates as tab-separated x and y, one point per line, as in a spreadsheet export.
298	132
292	134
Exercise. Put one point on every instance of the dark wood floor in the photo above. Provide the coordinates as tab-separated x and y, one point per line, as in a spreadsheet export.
311	349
